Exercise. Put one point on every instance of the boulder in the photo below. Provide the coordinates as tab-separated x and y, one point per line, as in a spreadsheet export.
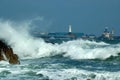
7	54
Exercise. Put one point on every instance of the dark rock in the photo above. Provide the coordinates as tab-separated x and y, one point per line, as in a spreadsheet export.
7	54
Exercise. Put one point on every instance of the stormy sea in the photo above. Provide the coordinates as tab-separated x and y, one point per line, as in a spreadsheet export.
73	60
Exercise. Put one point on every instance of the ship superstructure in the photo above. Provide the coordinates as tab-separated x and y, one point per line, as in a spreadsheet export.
107	34
108	37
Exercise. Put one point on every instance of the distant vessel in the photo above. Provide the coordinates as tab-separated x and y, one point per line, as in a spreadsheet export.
109	37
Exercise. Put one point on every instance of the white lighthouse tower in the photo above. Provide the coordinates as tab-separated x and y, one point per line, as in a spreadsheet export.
70	34
70	29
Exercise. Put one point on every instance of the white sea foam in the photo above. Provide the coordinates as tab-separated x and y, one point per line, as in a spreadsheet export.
16	72
62	74
80	49
76	74
23	44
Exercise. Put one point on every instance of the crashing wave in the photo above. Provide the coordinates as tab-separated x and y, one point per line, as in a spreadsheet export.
18	37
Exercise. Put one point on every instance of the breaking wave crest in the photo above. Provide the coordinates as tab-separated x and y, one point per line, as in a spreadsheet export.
26	46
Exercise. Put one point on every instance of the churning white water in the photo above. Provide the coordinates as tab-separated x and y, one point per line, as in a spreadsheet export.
38	61
26	46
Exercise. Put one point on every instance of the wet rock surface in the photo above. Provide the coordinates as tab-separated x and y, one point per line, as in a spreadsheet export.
7	54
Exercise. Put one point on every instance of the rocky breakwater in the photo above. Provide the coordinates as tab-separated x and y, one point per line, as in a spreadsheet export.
7	54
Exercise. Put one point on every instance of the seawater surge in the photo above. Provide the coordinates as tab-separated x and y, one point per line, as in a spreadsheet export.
72	60
17	35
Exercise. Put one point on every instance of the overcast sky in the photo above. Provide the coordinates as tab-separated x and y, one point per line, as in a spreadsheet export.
88	16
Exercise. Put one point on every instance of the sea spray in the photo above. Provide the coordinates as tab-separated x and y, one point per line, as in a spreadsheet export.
81	49
22	42
26	46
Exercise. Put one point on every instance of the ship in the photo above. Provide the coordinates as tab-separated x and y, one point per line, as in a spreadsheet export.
108	37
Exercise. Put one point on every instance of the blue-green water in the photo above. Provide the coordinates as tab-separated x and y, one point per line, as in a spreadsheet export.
64	65
60	68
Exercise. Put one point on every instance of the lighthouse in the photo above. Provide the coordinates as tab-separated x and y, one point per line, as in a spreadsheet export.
70	29
70	34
